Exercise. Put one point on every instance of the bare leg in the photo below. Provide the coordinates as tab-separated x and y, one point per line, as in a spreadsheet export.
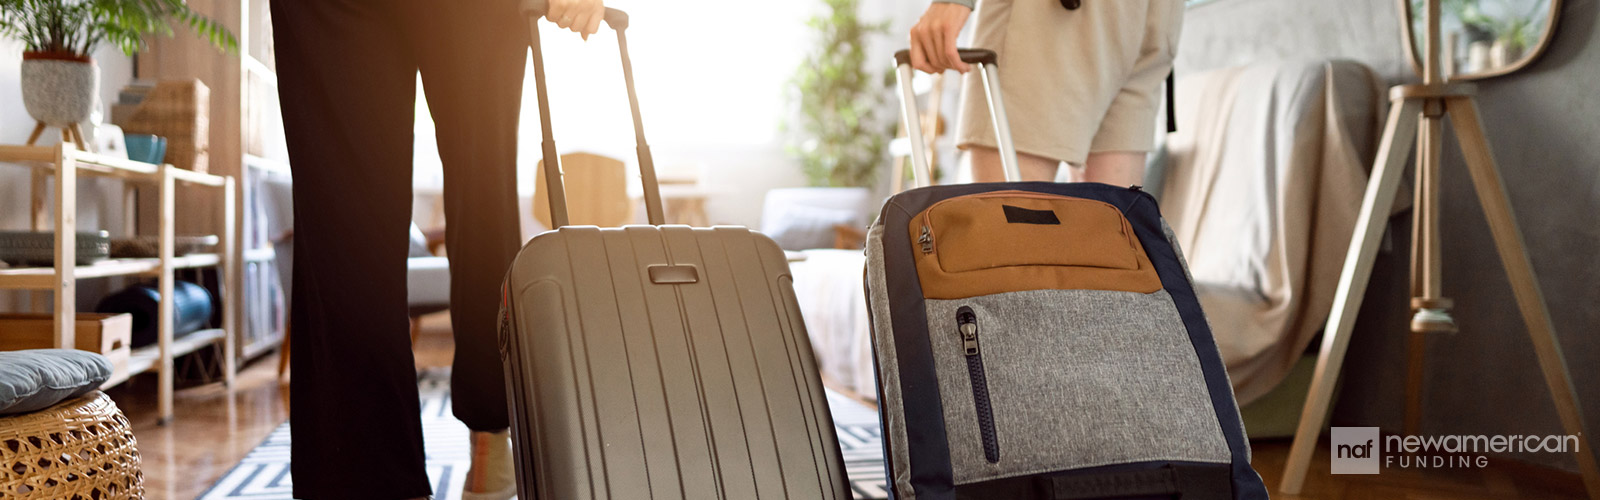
986	167
1117	168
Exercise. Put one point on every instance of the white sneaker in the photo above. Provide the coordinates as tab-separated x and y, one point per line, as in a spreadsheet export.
491	476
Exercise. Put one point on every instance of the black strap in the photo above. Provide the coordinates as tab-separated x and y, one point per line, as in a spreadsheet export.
1172	103
1188	482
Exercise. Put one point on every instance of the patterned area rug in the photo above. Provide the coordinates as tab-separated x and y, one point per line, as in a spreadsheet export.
264	473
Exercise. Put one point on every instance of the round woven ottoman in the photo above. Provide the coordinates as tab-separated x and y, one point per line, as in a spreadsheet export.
78	449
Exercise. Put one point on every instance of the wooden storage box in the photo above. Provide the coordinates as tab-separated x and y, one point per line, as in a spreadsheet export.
107	334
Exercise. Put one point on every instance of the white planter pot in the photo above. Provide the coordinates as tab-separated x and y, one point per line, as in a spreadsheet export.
1504	54
59	92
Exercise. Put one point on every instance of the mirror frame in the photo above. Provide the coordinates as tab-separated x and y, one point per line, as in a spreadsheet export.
1407	23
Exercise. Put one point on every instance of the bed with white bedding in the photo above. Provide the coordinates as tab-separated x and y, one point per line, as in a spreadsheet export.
828	284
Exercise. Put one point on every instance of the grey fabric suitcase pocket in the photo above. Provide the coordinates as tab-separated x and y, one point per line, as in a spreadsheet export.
1065	383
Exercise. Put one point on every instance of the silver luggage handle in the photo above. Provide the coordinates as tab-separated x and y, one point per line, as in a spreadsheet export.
556	190
989	72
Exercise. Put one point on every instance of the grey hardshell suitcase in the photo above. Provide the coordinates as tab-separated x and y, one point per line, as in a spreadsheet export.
659	362
1042	341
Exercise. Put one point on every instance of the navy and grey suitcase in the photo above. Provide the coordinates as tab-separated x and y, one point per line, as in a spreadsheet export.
659	361
1043	341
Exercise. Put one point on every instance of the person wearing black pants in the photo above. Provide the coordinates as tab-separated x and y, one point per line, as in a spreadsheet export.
347	73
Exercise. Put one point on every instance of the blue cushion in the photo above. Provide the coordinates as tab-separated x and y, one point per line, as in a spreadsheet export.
35	379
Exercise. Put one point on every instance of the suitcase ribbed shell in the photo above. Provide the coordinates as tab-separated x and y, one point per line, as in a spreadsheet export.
695	380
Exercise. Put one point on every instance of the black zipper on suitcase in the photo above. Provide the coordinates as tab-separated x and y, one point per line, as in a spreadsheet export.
967	325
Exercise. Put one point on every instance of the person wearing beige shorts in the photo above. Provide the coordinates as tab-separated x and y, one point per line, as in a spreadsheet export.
1082	85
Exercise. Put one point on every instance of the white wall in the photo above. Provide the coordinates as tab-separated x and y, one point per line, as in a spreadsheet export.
711	84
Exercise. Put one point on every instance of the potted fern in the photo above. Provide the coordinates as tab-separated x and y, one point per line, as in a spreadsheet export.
841	140
837	134
59	78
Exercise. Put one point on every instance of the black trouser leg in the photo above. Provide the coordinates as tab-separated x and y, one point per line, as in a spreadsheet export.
472	62
347	84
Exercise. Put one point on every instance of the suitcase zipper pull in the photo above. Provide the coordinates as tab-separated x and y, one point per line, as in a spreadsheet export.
926	240
967	323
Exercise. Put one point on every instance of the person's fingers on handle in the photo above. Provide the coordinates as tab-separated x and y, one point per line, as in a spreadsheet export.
923	57
593	26
918	60
927	33
950	51
914	53
931	52
569	17
928	37
581	21
955	17
558	10
933	44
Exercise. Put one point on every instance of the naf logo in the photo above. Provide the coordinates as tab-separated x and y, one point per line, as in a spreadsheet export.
1355	450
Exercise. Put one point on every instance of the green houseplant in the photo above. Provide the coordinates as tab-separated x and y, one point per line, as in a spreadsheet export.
59	79
841	137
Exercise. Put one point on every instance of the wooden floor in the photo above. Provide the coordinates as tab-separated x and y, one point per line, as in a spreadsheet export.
1501	480
212	431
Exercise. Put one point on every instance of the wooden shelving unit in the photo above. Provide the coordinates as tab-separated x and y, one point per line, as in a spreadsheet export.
66	163
247	142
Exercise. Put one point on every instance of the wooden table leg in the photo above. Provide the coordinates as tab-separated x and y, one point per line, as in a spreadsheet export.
38	130
1525	285
165	280
283	352
38	219
1399	135
77	137
229	283
66	251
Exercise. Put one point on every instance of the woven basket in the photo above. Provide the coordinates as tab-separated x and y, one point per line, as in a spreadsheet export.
82	449
180	111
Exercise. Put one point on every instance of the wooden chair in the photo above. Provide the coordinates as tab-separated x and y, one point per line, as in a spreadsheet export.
596	187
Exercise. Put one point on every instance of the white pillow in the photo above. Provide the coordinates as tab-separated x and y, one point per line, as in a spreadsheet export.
800	227
419	243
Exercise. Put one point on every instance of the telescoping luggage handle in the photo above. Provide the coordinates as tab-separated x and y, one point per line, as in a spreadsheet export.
618	21
989	72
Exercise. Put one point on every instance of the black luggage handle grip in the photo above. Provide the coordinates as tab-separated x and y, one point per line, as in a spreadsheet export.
615	18
969	56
